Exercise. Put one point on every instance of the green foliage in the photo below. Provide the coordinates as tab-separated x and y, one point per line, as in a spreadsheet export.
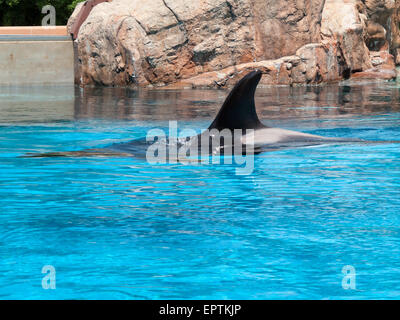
73	4
29	12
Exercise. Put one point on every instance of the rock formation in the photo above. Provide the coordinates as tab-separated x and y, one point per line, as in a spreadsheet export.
211	43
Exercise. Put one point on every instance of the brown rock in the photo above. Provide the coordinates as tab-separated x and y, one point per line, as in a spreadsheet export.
342	22
375	36
212	42
397	56
320	62
380	10
73	17
395	32
375	74
282	27
383	67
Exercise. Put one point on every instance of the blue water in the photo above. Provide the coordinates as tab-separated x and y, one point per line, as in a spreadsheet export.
120	228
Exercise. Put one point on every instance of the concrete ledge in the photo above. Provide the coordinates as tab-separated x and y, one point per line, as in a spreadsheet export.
36	62
18	37
42	31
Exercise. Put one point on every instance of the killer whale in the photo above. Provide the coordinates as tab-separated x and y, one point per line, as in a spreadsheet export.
238	112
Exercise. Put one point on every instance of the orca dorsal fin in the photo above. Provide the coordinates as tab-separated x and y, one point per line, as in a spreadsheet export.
239	110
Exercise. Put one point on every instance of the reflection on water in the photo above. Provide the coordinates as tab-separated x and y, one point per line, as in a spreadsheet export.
272	103
69	103
36	104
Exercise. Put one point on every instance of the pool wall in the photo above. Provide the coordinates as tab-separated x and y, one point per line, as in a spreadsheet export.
28	57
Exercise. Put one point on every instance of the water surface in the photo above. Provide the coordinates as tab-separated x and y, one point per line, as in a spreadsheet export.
123	229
